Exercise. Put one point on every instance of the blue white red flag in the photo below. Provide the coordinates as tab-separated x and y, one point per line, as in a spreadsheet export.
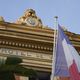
67	63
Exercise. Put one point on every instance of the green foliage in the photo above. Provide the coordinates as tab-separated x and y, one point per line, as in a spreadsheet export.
12	66
13	60
19	70
7	76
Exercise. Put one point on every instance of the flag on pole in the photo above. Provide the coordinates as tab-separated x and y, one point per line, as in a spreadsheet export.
67	63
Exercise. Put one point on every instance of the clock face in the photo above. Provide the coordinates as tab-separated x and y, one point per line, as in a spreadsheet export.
31	21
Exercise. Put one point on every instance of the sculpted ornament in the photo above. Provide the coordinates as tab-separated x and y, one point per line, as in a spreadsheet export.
30	19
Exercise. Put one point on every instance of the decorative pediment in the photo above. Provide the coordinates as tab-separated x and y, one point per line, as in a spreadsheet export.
30	19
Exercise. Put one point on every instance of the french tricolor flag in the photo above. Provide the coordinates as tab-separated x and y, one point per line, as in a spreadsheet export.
67	63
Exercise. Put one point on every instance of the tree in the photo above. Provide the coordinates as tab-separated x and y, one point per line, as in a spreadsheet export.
12	66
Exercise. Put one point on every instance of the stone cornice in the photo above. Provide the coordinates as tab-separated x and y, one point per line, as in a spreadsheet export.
34	30
26	29
33	34
26	46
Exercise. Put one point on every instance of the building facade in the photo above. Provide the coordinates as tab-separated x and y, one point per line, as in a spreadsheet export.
28	39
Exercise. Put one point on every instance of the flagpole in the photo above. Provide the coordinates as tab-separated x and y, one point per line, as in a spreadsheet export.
54	48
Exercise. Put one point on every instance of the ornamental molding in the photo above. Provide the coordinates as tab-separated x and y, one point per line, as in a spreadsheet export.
30	19
25	45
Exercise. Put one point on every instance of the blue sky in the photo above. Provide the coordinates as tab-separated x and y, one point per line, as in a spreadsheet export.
68	11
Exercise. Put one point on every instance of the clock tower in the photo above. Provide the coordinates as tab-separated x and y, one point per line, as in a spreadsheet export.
30	19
